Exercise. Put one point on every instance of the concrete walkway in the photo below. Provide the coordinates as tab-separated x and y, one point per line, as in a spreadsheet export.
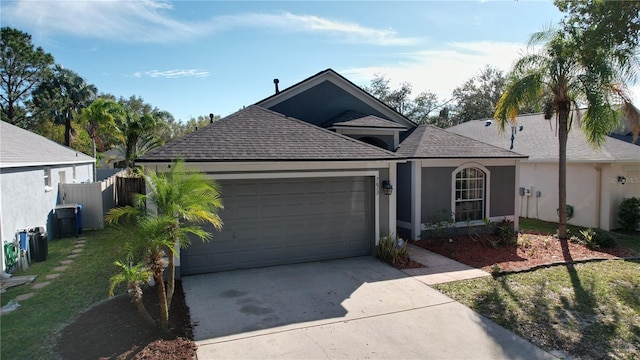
357	308
439	269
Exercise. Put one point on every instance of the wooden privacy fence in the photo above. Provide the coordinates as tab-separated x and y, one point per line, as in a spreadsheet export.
126	188
96	198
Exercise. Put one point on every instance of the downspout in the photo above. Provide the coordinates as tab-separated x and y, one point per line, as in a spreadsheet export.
598	168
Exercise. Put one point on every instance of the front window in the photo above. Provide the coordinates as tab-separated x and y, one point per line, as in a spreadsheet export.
469	194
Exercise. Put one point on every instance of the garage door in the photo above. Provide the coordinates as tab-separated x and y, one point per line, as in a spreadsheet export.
283	221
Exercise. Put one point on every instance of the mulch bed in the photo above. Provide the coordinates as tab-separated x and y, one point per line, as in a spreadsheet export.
536	250
114	329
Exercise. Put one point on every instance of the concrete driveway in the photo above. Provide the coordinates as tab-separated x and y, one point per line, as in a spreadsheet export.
350	309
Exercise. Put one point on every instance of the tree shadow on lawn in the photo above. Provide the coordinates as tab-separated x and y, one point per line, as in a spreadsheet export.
557	320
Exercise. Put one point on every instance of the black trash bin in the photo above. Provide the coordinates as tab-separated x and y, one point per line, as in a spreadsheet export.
38	245
67	216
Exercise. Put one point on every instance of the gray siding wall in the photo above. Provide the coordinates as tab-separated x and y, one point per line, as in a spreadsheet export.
503	182
404	192
436	191
322	103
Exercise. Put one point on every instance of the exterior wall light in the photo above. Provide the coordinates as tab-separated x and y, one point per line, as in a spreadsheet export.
387	188
622	180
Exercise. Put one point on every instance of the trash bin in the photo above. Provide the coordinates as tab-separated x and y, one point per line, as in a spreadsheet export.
67	216
79	218
38	244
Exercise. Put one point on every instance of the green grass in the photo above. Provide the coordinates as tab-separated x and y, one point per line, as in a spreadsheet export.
29	331
587	310
627	240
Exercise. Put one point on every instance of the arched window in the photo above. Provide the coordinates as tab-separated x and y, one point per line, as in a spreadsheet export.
469	194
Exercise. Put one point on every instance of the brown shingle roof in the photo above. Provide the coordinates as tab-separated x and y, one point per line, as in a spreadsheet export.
430	142
259	134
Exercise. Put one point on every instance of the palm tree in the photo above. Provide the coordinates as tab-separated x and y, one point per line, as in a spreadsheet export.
188	198
558	74
133	276
63	96
147	242
181	199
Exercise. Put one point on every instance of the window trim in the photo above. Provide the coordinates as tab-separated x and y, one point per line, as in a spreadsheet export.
47	179
487	192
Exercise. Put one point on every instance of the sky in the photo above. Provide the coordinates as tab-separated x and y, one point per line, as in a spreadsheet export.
194	58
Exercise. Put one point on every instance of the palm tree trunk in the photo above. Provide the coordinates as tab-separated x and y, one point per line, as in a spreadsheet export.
143	311
563	132
171	279
162	299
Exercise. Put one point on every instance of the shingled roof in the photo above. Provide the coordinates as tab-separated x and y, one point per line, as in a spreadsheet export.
430	142
19	147
538	140
354	119
259	134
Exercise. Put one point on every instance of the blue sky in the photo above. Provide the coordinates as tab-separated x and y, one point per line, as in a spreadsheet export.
198	57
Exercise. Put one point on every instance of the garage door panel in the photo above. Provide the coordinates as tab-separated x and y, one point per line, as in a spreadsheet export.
279	221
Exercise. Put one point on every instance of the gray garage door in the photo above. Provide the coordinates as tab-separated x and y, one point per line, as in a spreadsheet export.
284	221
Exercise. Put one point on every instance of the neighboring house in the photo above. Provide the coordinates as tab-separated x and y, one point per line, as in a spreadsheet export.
31	167
597	179
311	173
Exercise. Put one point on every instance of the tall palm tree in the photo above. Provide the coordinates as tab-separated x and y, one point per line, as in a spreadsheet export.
188	198
556	73
63	96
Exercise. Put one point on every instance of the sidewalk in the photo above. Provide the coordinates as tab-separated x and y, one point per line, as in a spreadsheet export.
439	269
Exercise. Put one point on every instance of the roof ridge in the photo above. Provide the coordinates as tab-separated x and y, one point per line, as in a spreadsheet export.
290	118
476	140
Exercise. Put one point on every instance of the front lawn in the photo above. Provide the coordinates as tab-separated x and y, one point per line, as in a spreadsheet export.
27	333
589	311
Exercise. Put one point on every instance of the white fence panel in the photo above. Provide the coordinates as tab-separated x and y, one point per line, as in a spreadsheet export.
90	197
96	199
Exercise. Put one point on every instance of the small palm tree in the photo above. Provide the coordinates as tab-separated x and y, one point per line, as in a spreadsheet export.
189	198
556	73
134	276
182	199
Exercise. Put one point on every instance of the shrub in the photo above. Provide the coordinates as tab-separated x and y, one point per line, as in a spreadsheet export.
506	232
391	250
629	214
605	239
594	239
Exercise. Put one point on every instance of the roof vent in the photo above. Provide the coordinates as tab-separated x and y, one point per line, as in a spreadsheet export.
487	123
210	118
276	81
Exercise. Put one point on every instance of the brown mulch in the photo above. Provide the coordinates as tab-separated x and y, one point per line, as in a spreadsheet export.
535	250
405	262
115	330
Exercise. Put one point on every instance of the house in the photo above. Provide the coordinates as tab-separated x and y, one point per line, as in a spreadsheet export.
597	179
31	167
312	173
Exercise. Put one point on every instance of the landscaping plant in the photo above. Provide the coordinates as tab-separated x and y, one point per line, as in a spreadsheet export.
181	200
391	250
629	214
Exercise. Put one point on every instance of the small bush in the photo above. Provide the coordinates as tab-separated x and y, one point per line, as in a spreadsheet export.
389	251
629	214
595	238
506	232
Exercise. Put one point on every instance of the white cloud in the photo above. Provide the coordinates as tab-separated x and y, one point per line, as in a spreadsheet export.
153	21
172	74
289	22
441	70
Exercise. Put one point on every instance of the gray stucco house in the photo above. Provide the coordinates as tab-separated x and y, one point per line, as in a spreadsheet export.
31	167
322	169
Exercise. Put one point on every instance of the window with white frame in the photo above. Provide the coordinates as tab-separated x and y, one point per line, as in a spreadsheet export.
47	178
469	196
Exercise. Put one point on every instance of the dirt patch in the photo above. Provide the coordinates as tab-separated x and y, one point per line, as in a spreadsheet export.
532	251
115	330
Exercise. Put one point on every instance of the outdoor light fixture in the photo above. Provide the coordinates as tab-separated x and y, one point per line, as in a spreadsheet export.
622	180
387	188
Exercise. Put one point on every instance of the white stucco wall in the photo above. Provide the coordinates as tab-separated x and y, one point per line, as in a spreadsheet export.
584	183
24	201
